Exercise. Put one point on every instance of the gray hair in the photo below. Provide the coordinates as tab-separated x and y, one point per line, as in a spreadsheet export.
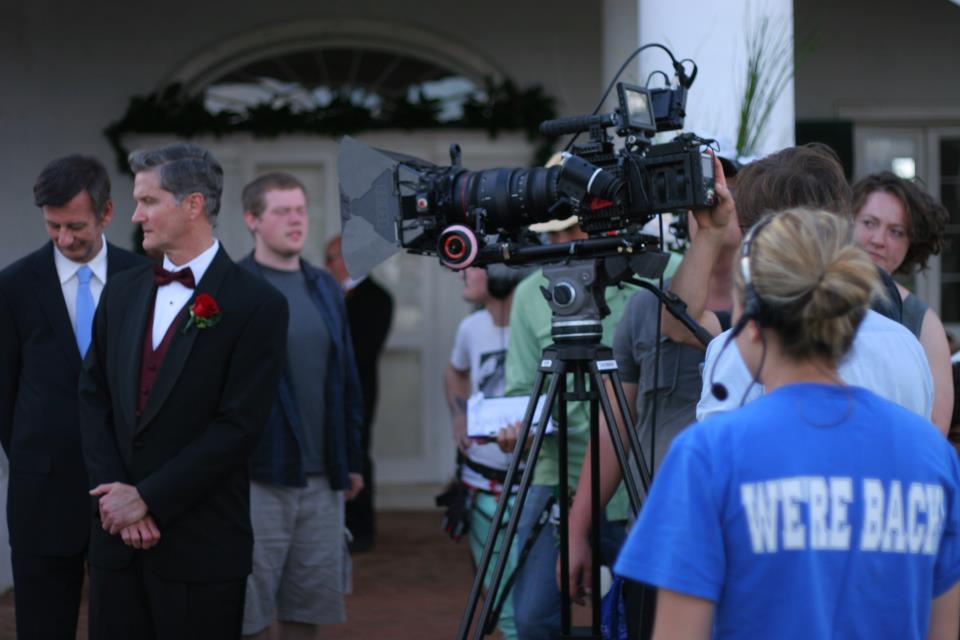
184	169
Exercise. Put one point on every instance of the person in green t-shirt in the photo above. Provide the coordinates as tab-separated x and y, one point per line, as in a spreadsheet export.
536	596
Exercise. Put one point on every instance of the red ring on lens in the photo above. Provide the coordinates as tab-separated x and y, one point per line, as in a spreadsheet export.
454	247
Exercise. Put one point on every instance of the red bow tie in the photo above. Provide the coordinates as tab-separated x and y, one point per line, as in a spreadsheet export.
185	277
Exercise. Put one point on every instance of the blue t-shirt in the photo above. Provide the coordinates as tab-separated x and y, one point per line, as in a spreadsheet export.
816	511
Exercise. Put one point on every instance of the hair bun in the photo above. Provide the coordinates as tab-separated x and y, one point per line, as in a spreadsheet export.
815	284
839	299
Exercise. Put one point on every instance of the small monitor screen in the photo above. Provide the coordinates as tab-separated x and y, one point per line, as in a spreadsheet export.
706	165
637	106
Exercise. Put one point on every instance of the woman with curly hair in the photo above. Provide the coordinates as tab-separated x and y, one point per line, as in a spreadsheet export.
900	226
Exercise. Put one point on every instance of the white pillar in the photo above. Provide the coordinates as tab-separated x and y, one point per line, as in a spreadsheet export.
620	36
715	36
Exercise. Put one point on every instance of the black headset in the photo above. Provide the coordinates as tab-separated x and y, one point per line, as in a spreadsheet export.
754	307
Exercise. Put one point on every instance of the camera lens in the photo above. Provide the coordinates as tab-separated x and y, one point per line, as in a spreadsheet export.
511	198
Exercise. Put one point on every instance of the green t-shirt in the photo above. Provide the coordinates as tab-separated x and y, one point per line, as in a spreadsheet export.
529	334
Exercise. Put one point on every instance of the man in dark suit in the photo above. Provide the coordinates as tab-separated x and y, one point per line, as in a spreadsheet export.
369	313
47	301
174	394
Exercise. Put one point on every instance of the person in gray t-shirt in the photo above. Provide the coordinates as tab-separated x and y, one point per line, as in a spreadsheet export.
309	459
675	391
308	346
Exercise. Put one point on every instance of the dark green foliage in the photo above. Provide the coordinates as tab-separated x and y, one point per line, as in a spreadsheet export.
502	107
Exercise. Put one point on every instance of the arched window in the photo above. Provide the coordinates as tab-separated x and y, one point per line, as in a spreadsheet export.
378	80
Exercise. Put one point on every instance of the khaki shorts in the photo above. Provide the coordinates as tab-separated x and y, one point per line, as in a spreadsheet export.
300	562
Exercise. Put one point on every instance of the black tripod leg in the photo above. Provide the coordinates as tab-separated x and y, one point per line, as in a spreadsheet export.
628	470
484	564
566	617
599	400
596	510
644	602
629	479
555	383
646	477
521	560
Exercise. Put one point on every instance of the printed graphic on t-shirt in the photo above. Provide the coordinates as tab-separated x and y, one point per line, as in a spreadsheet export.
490	381
814	512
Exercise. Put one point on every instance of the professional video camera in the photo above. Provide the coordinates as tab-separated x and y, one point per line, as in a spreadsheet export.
479	217
391	201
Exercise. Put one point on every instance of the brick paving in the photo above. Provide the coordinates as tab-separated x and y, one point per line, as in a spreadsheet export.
413	585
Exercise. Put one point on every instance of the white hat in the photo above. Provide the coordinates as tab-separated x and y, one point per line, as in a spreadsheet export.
554	225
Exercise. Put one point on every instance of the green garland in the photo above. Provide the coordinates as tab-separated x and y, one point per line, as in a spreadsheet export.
171	110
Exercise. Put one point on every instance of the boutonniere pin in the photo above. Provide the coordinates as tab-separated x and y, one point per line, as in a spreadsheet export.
204	313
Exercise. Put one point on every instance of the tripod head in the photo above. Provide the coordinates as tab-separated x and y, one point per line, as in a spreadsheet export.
576	288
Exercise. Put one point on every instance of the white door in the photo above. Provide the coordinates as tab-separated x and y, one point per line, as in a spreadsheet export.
413	449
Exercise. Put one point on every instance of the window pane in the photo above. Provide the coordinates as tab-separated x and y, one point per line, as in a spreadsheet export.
950	256
950	197
950	157
950	302
886	151
317	77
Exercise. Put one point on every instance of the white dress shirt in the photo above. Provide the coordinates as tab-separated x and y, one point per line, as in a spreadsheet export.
67	272
885	358
172	297
350	284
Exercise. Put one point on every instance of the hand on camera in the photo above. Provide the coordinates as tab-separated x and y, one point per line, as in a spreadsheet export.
717	217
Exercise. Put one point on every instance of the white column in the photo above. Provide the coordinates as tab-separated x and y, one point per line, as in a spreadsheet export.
715	36
620	36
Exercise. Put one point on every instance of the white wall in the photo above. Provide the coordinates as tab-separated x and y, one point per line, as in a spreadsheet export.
713	34
876	53
68	69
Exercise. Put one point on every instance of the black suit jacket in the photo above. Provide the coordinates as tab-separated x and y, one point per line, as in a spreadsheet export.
187	454
369	312
47	502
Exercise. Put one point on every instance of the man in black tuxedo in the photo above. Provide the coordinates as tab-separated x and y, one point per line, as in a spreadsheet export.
174	394
47	301
369	314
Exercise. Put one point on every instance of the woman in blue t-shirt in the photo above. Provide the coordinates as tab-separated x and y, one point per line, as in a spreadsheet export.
819	510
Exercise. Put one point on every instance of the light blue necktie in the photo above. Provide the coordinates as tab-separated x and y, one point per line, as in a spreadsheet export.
85	309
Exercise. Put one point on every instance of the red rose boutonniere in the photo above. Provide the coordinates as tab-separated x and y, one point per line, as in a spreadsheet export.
204	313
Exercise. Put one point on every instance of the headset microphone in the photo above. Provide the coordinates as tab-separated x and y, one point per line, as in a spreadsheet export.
719	391
753	307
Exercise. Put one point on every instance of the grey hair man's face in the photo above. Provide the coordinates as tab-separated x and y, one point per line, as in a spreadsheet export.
161	217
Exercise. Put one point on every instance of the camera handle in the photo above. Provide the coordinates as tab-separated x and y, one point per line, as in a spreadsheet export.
678	309
585	362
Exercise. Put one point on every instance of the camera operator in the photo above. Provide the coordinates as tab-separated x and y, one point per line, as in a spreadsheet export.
677	389
868	542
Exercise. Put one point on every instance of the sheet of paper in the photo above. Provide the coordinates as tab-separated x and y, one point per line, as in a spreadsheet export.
486	416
